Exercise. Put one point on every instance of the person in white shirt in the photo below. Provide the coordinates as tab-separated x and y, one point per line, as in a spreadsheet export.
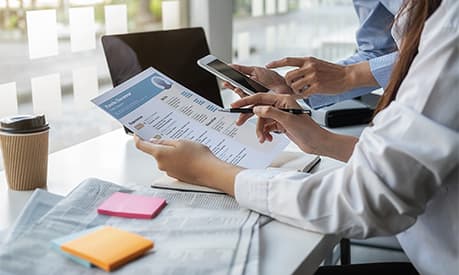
402	175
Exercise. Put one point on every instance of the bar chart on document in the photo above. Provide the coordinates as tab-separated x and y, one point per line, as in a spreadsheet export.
154	106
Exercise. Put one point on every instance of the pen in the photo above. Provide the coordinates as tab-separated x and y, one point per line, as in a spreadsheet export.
308	168
250	111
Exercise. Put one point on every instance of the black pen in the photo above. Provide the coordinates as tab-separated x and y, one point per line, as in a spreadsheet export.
310	166
250	111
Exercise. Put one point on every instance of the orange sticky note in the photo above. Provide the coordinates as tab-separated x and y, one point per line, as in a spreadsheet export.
108	248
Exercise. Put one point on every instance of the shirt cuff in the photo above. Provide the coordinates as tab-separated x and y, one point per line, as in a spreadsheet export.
381	68
252	188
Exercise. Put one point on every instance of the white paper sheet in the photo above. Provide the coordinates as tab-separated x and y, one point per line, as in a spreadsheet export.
194	234
154	106
39	203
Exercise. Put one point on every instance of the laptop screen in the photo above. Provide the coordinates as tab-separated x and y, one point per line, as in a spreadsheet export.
173	52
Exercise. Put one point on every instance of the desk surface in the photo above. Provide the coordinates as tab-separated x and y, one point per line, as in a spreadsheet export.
113	157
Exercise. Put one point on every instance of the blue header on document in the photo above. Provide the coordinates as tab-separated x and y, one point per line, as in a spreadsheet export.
156	107
135	96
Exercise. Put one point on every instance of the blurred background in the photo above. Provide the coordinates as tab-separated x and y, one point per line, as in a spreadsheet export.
52	60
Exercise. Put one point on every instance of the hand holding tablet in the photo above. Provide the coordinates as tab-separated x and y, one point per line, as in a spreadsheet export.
234	77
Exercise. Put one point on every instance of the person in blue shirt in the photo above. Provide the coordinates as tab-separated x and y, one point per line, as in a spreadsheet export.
323	83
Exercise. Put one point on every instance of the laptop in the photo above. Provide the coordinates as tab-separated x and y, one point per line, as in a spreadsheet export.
173	52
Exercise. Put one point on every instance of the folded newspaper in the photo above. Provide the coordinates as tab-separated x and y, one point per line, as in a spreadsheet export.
196	233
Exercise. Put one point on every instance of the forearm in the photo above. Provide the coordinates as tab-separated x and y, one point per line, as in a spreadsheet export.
337	146
359	75
220	175
358	79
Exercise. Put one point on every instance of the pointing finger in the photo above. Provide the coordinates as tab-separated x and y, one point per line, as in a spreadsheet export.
288	61
260	98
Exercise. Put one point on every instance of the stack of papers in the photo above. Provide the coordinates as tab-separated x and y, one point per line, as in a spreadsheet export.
108	247
197	233
131	206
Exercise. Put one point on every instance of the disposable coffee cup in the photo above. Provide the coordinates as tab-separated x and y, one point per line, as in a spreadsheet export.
24	146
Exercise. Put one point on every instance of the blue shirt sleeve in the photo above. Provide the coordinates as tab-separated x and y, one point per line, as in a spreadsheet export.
375	44
381	68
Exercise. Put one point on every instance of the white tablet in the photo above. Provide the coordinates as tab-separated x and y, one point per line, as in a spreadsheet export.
226	73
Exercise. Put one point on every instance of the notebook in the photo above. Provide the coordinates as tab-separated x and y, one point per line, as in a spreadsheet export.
131	206
56	245
108	247
287	160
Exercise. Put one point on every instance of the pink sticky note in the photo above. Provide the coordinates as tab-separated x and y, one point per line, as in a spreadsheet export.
131	206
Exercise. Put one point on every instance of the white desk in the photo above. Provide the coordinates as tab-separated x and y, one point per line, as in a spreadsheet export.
113	157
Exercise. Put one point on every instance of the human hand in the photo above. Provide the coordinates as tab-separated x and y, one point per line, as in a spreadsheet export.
268	78
301	129
190	162
304	132
277	100
315	76
180	159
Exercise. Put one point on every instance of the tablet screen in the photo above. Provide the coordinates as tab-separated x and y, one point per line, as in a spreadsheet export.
237	76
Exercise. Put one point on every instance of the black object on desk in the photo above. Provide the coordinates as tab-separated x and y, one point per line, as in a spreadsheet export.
341	118
173	52
345	113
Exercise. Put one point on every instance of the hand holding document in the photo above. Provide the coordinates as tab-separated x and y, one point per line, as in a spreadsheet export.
154	106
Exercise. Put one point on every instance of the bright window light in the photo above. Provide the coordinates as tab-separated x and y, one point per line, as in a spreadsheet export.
243	45
42	33
257	8
82	29
115	19
46	95
85	86
282	6
8	100
171	14
270	7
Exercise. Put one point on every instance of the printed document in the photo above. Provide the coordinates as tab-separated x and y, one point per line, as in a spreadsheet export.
154	106
196	233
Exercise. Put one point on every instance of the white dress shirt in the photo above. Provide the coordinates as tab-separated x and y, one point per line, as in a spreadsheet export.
403	176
